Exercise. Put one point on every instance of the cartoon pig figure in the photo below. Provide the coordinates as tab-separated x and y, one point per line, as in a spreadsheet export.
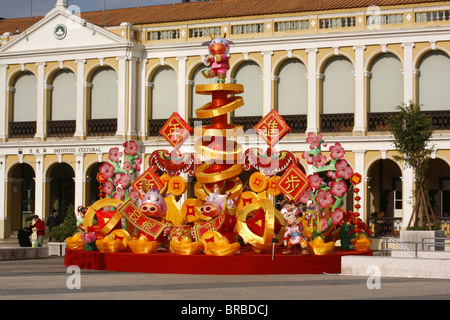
154	206
218	48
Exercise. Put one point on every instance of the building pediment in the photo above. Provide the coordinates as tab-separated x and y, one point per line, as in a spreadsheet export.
58	31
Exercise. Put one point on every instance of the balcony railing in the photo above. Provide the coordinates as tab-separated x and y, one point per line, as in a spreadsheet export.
384	226
101	127
378	121
246	122
154	125
337	122
61	128
297	122
22	129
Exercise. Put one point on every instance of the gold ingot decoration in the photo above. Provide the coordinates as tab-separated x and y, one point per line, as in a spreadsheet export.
75	242
121	235
143	245
319	247
186	247
222	249
361	243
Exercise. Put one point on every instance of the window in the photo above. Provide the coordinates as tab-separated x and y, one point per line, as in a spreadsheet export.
64	96
164	93
386	83
338	87
249	74
104	94
292	88
434	81
24	98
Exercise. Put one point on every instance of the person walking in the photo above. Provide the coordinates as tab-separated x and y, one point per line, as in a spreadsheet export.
52	222
38	226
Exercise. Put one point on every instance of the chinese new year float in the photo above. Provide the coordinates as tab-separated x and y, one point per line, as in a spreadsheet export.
148	224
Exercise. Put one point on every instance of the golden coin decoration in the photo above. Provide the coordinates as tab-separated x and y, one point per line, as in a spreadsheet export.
258	182
177	185
272	186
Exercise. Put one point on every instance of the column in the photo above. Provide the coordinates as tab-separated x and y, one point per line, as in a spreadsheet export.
313	116
39	186
267	82
408	72
142	102
182	92
80	131
3	101
2	195
359	127
132	121
79	180
40	119
122	98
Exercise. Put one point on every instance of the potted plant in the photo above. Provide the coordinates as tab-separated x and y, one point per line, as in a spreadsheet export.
61	232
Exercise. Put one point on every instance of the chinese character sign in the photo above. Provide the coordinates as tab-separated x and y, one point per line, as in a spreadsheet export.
272	128
293	182
176	130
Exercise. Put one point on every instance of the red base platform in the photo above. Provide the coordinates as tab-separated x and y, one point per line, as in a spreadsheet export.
247	262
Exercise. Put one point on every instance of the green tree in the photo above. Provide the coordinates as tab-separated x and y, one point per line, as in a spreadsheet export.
412	131
67	228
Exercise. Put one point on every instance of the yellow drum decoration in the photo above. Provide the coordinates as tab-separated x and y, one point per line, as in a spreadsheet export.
258	182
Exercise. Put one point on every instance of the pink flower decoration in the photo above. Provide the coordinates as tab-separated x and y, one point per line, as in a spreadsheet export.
133	194
343	170
307	157
337	215
114	154
305	197
319	160
331	174
107	170
337	151
315	180
127	166
137	164
108	187
313	140
323	224
122	179
338	188
120	194
130	147
89	237
324	198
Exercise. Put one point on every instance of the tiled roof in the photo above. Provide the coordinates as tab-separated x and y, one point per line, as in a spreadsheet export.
216	9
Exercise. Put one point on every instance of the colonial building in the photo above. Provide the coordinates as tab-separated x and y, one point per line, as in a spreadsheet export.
74	84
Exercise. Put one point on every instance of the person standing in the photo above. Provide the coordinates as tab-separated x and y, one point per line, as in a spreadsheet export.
38	226
52	222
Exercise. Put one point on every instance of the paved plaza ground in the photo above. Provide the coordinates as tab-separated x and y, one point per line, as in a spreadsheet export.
49	279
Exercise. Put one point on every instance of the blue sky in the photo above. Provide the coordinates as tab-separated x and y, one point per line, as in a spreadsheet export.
10	9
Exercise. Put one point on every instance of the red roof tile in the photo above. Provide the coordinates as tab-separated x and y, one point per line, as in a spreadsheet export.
216	9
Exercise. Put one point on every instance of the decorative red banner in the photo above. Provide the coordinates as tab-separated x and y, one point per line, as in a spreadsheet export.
272	128
140	221
176	130
293	182
212	225
150	178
